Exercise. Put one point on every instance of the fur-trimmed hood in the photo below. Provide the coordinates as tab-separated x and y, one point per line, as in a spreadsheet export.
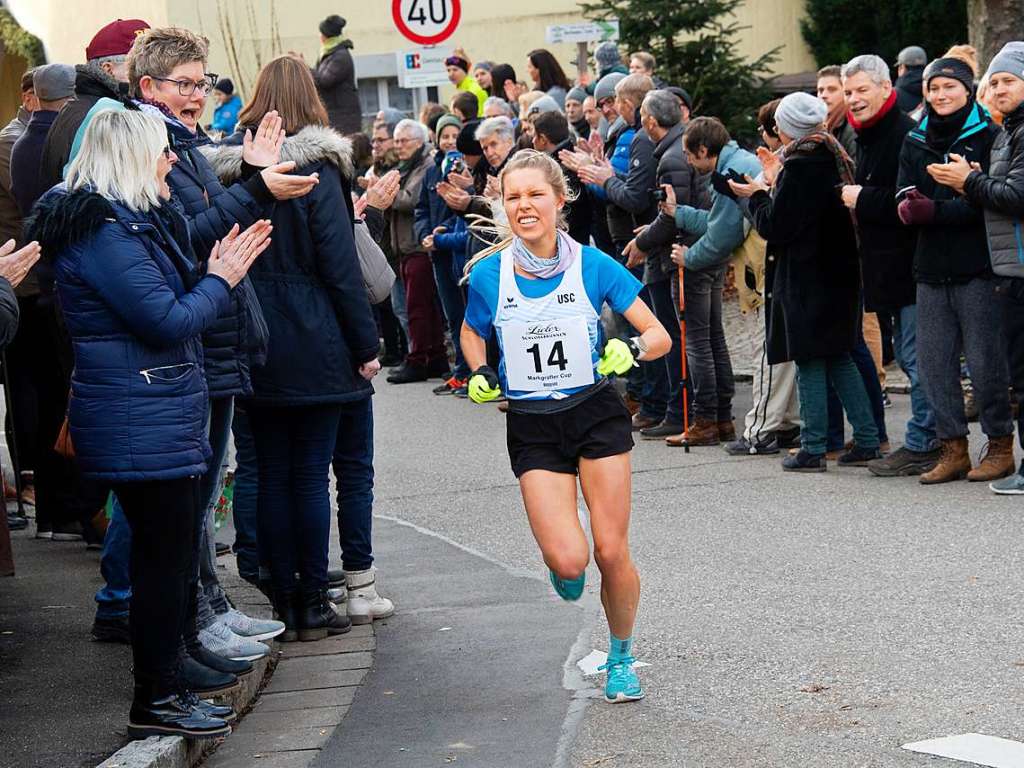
313	144
61	218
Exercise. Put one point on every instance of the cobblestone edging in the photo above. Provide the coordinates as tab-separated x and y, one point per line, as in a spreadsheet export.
288	706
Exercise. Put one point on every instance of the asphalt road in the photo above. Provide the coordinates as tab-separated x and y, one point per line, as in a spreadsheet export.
789	620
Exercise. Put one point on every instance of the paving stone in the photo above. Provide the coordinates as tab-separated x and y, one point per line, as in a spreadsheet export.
230	756
332	663
318	717
302	678
335	644
256	740
293	700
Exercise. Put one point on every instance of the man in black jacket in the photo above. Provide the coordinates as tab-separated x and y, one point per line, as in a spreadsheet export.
909	72
887	253
104	75
1001	193
663	120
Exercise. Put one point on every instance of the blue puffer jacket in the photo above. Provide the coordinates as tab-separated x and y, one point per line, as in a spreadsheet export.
309	282
135	308
431	209
238	340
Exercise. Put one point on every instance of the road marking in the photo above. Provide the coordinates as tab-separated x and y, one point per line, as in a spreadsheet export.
589	664
974	748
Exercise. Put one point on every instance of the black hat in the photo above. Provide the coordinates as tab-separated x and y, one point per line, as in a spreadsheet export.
332	25
954	69
225	86
681	94
467	143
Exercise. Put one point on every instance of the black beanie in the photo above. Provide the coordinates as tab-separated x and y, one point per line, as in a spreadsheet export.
467	143
332	25
954	69
225	86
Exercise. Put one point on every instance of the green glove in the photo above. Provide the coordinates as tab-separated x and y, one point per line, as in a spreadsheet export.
483	385
619	356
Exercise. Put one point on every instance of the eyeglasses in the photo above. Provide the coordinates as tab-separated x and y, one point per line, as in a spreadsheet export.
380	141
404	141
189	87
606	102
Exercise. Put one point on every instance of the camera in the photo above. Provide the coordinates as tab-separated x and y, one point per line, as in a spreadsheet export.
659	195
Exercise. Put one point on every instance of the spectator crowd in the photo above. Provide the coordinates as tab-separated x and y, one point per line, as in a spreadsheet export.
168	289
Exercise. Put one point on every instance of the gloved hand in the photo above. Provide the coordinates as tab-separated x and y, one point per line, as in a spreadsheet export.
619	356
915	209
483	385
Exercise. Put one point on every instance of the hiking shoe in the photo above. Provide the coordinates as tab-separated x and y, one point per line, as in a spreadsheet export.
802	461
859	457
568	589
112	629
450	386
904	463
221	640
1009	486
249	627
622	684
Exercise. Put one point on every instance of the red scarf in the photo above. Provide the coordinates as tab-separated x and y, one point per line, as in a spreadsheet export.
877	117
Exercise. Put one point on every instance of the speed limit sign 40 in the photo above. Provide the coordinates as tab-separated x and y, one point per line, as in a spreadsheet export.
426	22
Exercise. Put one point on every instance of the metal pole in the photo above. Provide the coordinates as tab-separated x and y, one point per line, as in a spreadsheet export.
682	344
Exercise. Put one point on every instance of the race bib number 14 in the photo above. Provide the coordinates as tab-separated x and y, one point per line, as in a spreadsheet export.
549	355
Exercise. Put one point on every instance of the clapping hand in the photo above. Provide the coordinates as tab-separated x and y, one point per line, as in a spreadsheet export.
748	189
284	185
954	173
455	198
15	264
596	173
770	165
264	148
462	180
232	256
383	191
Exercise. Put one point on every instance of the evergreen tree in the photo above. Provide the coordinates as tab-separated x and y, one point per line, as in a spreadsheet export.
695	44
838	30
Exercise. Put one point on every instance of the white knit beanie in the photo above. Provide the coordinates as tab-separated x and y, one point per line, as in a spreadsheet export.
800	114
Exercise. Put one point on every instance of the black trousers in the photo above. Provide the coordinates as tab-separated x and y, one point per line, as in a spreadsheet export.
1011	295
162	515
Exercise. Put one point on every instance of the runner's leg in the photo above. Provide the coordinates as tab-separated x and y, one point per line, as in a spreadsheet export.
550	499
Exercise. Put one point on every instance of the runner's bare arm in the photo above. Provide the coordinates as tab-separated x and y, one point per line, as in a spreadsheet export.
474	349
653	333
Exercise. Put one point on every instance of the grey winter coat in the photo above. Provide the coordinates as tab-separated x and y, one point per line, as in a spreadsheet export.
1001	193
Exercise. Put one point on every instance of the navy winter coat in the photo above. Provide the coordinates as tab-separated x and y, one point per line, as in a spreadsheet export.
309	282
134	307
431	209
238	340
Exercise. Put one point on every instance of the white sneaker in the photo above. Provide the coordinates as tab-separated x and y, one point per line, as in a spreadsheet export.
222	641
249	627
364	604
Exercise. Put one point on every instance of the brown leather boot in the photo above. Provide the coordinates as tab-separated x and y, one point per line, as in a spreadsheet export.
726	431
998	462
954	463
702	432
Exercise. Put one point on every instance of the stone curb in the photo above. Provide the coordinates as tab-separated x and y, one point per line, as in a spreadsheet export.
307	687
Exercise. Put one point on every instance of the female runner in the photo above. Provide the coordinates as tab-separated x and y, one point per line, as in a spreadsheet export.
543	293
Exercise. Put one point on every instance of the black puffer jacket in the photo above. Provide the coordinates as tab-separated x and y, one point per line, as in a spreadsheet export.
909	93
309	282
580	211
812	275
91	85
1001	193
690	188
952	248
886	246
238	340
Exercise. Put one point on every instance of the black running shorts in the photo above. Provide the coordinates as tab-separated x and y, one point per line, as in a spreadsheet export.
599	426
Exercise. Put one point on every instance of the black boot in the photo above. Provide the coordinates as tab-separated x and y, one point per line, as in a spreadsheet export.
113	629
317	617
202	679
335	577
155	712
219	663
286	610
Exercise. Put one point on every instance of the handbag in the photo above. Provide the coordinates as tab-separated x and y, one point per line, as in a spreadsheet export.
64	446
377	273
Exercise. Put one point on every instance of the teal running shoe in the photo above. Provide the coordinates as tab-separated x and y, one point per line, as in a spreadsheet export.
622	684
568	589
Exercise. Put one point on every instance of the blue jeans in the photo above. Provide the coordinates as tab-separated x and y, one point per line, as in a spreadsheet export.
865	363
294	447
246	491
353	469
211	598
115	566
813	377
452	304
921	426
398	305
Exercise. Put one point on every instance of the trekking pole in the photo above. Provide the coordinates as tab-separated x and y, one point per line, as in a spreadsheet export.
682	344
